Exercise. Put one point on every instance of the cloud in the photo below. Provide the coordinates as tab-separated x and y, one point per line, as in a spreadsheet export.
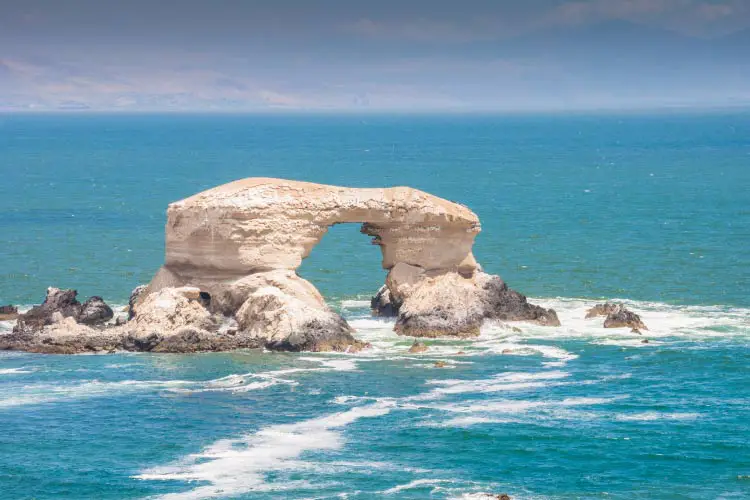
420	30
694	17
476	54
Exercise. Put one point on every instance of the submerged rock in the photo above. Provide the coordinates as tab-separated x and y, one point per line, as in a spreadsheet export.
617	316
417	347
602	309
8	313
440	364
622	317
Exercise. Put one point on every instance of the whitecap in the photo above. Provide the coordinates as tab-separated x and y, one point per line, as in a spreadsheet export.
655	415
339	365
417	483
355	304
513	381
14	371
236	466
663	320
45	393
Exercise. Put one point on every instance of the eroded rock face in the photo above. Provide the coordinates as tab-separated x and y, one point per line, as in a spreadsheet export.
135	295
450	304
280	321
260	224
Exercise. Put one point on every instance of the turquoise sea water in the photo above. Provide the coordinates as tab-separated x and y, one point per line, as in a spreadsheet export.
653	209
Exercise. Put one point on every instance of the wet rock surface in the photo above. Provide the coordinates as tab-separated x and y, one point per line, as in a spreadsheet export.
383	305
617	316
95	312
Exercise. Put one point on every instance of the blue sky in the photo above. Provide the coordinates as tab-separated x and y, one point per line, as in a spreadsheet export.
334	55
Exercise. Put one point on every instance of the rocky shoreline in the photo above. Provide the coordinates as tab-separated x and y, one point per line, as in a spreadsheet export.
229	280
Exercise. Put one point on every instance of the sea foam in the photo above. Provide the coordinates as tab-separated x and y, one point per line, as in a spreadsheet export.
236	466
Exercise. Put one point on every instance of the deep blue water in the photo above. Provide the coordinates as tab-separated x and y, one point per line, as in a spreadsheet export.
650	208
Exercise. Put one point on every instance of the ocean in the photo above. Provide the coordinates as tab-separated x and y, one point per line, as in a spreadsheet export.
650	209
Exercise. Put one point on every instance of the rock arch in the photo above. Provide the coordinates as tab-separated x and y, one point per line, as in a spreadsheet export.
229	279
258	224
242	243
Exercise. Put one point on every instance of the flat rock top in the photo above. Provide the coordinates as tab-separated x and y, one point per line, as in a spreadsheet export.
263	194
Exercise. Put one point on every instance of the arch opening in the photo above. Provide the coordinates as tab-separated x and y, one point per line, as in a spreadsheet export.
344	265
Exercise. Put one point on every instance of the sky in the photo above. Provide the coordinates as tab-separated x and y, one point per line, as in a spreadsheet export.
379	55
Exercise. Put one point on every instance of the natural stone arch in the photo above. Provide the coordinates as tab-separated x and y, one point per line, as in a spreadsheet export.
229	279
243	242
258	224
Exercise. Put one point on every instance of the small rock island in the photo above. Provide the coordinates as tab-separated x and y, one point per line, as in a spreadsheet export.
229	279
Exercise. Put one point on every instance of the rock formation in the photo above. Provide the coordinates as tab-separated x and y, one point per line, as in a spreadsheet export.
229	278
617	316
8	313
624	318
602	309
417	347
61	304
383	305
63	325
95	312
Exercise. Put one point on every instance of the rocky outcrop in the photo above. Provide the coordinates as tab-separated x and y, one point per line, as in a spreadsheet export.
417	347
58	304
61	324
622	318
617	316
229	277
135	295
602	309
455	305
383	305
280	321
258	224
8	313
234	240
61	304
95	312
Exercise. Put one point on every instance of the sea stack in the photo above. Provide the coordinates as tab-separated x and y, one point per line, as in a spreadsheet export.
229	278
250	236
